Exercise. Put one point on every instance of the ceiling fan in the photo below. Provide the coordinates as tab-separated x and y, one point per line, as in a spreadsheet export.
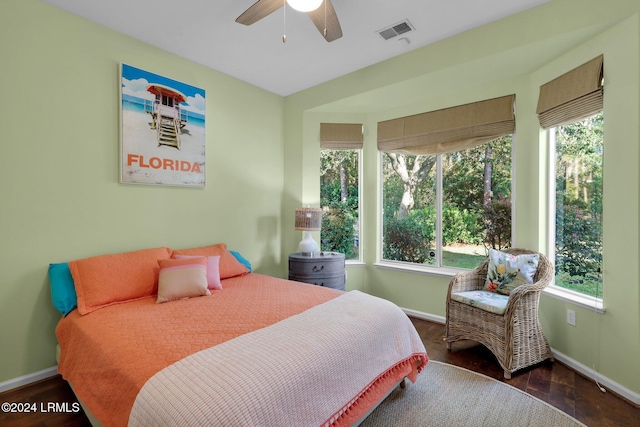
323	15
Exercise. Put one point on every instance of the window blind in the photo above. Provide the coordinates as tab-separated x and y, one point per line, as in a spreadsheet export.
450	129
572	96
341	136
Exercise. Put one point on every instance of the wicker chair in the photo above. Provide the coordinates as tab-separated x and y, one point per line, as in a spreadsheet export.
516	337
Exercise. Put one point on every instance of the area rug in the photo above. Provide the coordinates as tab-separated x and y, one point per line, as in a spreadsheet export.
446	395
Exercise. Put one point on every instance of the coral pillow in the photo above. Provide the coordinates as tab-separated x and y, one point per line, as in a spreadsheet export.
229	265
506	272
182	278
213	270
105	280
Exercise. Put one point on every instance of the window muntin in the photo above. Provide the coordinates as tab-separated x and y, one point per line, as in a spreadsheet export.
340	201
576	205
437	210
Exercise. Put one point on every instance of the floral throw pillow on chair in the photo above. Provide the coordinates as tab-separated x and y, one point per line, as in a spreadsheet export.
506	271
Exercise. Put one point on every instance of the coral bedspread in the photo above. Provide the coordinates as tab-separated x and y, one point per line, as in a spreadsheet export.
111	353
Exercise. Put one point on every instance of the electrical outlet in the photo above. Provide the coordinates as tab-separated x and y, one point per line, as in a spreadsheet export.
571	317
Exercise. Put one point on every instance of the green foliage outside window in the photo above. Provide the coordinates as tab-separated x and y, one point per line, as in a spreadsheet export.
339	227
410	239
497	222
339	198
476	204
460	225
578	239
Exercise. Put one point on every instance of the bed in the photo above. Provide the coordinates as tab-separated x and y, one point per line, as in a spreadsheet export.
250	350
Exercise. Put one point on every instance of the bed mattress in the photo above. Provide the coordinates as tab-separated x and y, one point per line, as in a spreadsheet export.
110	354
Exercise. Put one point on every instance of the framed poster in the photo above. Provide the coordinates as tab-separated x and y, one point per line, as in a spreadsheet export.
163	130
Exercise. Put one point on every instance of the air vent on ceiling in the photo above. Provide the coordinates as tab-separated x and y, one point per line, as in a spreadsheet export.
395	30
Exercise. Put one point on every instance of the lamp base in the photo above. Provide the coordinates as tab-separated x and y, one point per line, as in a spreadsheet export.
307	245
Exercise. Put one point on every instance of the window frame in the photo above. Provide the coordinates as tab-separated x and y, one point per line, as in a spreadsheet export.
359	260
437	270
553	290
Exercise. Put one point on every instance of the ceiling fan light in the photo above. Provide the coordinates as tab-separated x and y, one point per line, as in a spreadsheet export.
305	5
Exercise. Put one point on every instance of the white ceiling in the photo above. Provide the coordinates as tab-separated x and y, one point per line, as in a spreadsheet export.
205	31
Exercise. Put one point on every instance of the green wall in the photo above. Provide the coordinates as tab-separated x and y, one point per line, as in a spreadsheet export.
59	178
514	55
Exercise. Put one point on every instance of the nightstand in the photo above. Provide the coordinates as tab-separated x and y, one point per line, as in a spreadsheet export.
319	268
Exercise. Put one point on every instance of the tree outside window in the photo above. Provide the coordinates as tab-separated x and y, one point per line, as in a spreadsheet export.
340	202
474	213
578	205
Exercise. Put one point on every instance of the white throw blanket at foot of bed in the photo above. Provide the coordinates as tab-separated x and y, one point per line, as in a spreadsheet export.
302	371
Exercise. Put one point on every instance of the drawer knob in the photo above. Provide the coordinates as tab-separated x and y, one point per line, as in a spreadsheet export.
316	269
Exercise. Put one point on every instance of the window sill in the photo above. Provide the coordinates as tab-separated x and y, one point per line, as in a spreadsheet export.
446	272
553	291
584	301
354	263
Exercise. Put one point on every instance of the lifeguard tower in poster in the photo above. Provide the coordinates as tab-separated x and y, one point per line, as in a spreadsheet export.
163	130
166	114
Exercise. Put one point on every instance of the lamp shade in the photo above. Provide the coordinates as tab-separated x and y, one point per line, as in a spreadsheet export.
305	5
308	219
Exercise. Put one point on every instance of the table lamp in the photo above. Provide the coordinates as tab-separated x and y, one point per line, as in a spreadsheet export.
308	220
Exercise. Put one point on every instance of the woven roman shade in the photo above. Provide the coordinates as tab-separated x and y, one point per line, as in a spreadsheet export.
450	129
572	96
341	136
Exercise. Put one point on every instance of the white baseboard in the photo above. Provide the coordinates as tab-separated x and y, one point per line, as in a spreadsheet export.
28	379
619	389
424	316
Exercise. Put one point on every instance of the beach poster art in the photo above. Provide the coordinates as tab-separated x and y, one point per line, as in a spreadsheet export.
163	138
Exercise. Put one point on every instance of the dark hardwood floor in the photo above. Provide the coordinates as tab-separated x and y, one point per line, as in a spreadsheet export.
553	383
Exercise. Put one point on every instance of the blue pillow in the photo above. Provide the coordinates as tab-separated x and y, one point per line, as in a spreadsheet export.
63	291
242	260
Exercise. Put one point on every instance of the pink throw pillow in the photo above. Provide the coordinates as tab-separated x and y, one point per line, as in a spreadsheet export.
213	270
229	265
182	278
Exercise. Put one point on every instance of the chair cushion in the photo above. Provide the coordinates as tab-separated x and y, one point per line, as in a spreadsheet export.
484	300
506	271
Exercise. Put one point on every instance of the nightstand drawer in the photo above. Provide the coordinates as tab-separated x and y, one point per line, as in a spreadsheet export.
322	269
336	282
328	265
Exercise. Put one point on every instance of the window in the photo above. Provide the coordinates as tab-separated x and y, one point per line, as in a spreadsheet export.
571	108
340	202
576	205
167	100
445	210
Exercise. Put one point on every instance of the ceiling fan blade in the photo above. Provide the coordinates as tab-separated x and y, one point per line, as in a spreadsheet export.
332	24
259	10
